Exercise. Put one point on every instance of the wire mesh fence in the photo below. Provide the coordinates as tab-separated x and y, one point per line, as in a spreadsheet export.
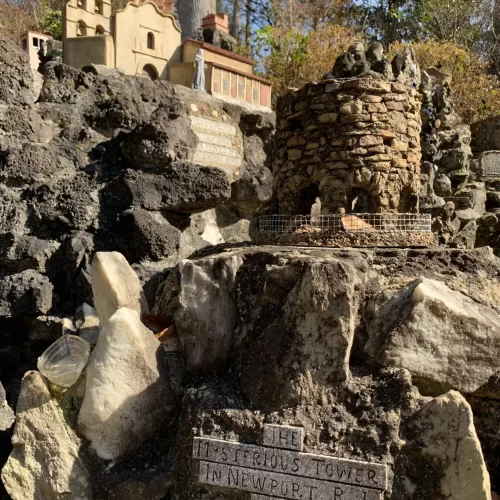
346	223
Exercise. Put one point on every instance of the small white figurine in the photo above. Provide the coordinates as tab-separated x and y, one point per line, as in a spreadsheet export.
199	72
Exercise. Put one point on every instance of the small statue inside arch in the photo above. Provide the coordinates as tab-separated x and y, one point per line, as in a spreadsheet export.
199	72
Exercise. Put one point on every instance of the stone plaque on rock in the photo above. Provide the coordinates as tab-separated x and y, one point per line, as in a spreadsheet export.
275	470
219	144
490	164
284	436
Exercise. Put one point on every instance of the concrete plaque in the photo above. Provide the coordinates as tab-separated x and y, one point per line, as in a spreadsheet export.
215	160
281	485
219	144
275	470
291	462
201	123
490	163
214	139
284	436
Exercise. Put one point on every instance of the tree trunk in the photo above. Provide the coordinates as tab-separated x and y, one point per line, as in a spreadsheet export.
248	23
190	14
495	53
234	29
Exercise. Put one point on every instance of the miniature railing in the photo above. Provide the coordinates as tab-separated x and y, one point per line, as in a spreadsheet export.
346	223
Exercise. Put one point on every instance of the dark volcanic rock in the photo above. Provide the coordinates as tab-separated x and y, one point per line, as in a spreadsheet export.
180	187
71	271
165	138
27	163
25	293
141	235
25	252
59	207
16	79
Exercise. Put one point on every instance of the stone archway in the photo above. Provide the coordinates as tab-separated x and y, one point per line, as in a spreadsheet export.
149	71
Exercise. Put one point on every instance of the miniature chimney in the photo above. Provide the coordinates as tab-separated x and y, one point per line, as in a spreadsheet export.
218	22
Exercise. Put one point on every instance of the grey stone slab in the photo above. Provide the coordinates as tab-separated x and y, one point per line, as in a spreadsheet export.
291	462
281	485
490	162
283	436
332	87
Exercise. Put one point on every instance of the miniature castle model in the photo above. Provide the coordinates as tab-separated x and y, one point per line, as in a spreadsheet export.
144	39
31	42
141	39
352	140
347	157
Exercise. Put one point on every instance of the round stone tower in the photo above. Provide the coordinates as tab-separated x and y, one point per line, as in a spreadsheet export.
354	143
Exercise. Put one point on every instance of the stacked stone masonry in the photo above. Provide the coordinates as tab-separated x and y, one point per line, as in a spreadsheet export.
354	143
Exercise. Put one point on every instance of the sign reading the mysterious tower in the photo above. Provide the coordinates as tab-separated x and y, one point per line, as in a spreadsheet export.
280	469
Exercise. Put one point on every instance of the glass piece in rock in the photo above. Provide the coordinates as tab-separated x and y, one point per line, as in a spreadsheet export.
64	361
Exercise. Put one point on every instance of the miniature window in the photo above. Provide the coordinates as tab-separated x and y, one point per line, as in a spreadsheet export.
81	29
35	42
361	202
100	30
98	7
255	94
151	41
82	4
307	199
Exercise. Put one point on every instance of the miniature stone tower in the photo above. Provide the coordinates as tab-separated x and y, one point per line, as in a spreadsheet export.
351	140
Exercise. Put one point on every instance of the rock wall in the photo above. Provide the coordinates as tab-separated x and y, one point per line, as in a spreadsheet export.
104	162
486	135
453	189
364	349
354	143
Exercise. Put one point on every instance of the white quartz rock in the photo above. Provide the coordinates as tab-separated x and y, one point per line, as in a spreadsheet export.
206	316
115	284
88	324
127	400
443	337
45	462
446	435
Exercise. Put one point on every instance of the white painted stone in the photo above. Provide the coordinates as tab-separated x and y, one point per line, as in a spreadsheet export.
206	316
115	284
45	463
126	401
443	337
211	232
446	434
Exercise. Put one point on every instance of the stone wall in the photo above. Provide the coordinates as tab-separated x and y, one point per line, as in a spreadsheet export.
486	135
354	143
